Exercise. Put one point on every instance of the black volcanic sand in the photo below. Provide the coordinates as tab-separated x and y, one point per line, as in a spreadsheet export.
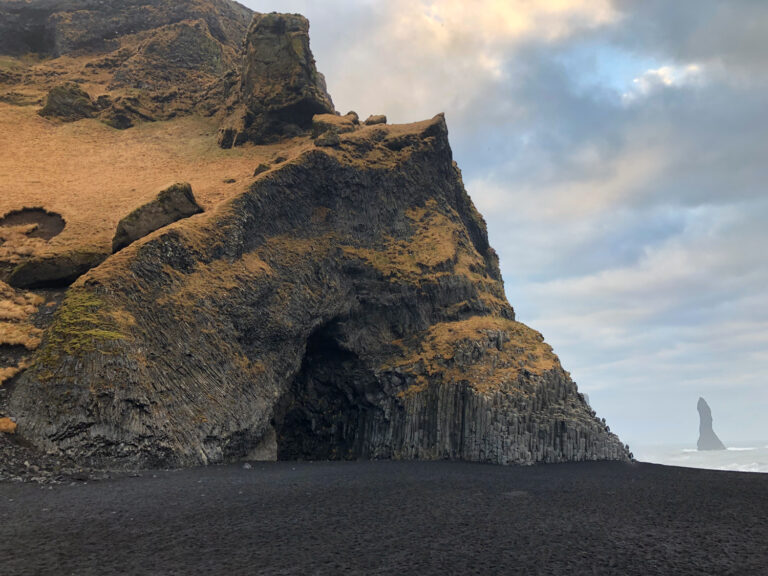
392	518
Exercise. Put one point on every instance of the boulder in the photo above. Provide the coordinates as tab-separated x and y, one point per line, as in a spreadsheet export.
280	89
68	102
322	123
172	204
376	119
260	169
708	440
329	138
55	270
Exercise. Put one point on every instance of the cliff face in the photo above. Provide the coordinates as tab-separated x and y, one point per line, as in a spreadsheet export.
280	90
61	27
342	303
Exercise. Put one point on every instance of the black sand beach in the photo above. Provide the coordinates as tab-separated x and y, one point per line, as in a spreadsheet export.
392	518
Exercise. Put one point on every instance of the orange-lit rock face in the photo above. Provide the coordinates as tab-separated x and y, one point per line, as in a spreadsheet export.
7	426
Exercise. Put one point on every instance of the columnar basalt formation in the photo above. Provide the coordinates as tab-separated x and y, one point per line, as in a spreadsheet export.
342	301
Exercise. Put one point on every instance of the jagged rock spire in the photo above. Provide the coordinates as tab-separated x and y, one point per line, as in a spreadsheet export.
708	440
280	88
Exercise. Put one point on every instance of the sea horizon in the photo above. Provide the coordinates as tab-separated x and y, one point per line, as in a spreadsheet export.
737	457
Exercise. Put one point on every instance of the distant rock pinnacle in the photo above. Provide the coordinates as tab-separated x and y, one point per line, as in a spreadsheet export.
708	440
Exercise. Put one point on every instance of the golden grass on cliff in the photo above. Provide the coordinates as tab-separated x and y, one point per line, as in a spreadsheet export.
19	335
437	349
435	242
94	175
16	306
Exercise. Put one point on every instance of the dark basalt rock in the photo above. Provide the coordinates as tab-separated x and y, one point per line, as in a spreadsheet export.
56	270
172	56
68	102
376	119
58	27
323	123
347	305
708	440
171	205
280	88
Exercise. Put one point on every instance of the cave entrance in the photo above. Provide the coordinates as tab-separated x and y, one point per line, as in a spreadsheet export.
327	409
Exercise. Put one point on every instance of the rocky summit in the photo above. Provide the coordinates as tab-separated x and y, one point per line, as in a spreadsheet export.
317	288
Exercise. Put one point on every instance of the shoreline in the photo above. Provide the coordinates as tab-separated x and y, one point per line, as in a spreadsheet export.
381	517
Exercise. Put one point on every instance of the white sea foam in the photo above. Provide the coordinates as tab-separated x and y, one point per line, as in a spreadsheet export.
745	458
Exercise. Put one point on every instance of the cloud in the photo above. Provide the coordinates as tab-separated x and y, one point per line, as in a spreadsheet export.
663	78
413	59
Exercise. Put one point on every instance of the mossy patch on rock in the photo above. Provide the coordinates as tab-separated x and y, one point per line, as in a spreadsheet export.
82	323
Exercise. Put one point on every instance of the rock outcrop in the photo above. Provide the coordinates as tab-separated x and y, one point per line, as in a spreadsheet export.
172	204
59	27
376	119
344	303
280	88
155	59
68	102
708	440
54	270
347	305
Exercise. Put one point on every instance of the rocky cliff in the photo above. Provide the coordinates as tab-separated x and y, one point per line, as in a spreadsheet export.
337	297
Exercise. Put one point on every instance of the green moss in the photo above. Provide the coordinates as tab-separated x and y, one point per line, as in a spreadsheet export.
81	326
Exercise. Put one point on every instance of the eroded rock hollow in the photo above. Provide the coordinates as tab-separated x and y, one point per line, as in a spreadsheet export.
341	301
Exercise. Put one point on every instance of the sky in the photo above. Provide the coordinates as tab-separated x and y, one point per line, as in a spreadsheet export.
618	150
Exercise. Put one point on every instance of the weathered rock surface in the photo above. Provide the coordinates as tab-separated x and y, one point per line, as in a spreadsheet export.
280	88
708	440
172	204
348	304
376	119
344	304
155	59
59	27
68	102
323	123
54	270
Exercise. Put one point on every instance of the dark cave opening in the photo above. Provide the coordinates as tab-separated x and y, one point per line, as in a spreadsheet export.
326	411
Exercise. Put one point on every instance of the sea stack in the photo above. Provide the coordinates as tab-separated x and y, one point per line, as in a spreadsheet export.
708	440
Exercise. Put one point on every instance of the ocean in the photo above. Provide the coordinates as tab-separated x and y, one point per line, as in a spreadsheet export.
746	457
